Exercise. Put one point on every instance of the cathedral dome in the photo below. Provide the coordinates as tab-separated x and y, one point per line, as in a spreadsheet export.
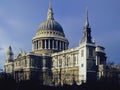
50	24
50	36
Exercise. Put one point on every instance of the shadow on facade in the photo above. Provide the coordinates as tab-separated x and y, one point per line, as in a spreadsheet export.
105	83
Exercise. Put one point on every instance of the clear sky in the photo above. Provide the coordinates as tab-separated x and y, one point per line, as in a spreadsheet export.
19	21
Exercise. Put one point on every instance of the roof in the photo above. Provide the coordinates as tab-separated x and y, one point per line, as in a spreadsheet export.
50	23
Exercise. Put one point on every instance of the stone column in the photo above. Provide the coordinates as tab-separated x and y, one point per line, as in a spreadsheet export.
52	44
45	44
56	45
60	45
65	46
35	45
49	44
40	44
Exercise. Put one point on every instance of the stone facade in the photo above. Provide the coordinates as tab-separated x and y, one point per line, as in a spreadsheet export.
65	66
27	66
52	62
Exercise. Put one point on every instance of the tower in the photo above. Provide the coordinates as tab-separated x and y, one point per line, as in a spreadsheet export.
101	61
9	62
87	54
87	31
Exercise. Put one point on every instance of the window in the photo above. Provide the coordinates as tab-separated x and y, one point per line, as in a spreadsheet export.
67	62
82	65
74	61
90	52
82	53
60	63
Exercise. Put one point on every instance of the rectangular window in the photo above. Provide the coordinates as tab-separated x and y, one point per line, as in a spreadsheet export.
74	61
90	52
60	63
68	60
82	53
82	65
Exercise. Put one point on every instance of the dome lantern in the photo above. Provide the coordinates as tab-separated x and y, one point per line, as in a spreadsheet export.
50	13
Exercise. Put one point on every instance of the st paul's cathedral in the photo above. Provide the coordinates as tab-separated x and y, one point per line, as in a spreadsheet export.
52	62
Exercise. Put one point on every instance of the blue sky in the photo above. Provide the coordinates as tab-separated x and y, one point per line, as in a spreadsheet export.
20	19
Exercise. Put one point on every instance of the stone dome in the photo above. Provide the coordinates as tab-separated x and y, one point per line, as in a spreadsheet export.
50	37
50	24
